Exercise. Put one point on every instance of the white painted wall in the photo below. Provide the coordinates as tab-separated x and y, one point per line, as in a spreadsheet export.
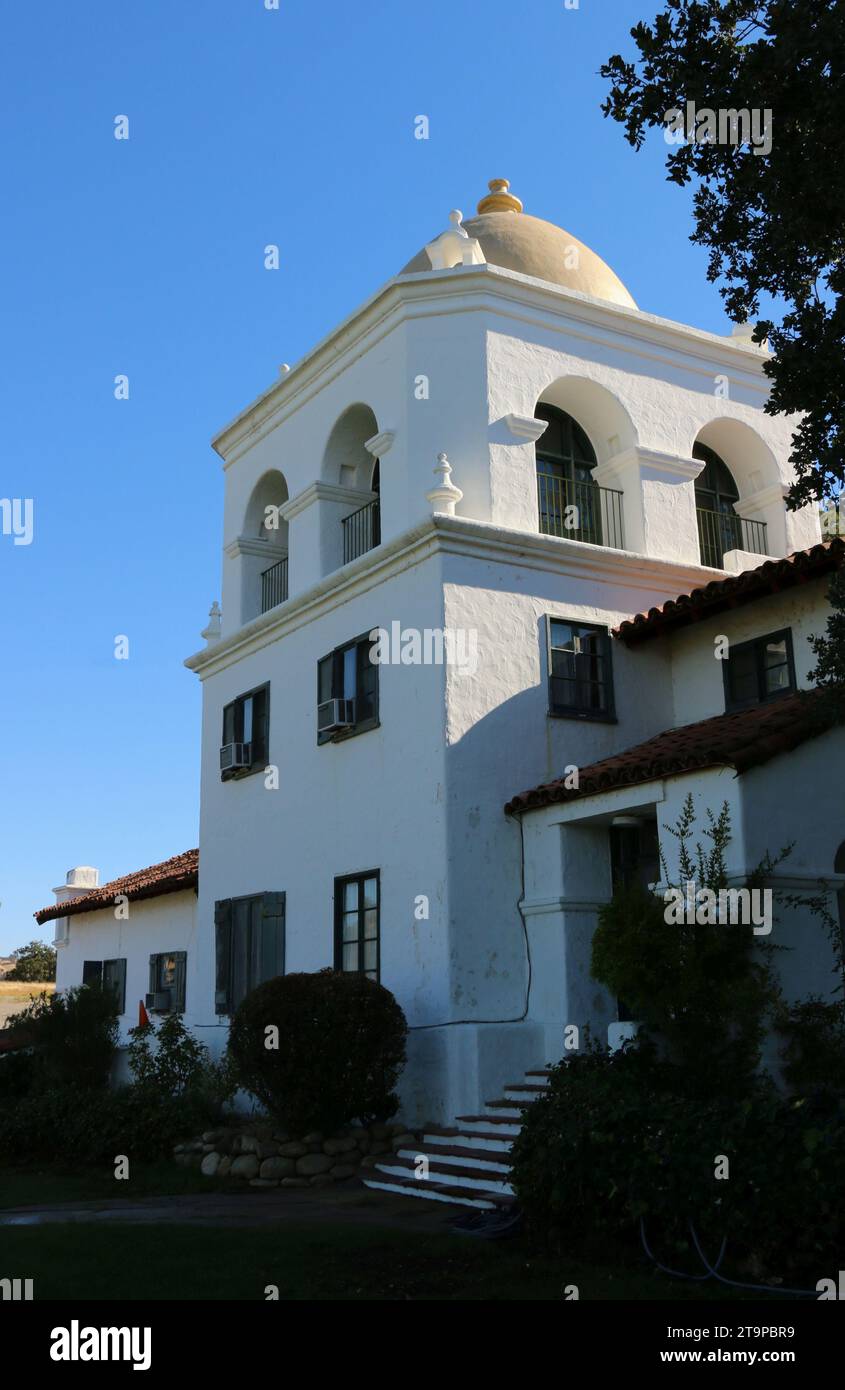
697	675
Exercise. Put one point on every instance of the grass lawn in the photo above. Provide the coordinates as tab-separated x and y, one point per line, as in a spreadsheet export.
312	1263
42	1186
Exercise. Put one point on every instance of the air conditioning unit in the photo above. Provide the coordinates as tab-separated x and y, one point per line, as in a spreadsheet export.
333	715
158	1003
234	756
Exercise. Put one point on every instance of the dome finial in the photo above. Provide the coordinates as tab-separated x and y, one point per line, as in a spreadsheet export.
499	199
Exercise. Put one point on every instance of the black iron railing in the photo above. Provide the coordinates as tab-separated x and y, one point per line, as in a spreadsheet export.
274	585
721	531
580	511
361	531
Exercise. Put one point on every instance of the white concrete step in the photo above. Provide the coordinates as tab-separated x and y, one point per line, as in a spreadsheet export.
506	1126
445	1175
452	1196
524	1092
461	1157
484	1143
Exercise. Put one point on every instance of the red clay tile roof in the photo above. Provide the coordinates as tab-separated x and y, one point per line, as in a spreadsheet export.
734	591
182	871
741	740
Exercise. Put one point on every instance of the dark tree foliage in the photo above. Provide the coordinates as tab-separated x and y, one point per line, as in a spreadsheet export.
774	223
37	962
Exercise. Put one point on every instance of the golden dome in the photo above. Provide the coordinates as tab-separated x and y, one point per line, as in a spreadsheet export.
515	241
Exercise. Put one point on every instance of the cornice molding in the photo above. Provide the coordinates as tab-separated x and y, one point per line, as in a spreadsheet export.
322	492
770	496
380	444
494	289
251	545
457	536
650	463
525	427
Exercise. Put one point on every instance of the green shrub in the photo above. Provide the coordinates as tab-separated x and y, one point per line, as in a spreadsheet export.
79	1127
341	1047
619	1139
18	1072
176	1062
74	1035
813	1050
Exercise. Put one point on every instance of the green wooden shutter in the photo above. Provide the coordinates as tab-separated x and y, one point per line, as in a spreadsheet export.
153	974
272	936
114	977
223	943
181	959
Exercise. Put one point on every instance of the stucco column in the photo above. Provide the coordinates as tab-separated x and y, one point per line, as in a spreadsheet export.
567	879
658	504
315	536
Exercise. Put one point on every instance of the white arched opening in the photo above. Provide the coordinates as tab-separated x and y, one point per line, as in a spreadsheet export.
263	546
350	522
739	495
586	426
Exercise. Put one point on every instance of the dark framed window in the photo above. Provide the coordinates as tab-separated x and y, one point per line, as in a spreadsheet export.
111	974
347	676
580	670
92	972
250	946
719	527
246	723
357	912
565	461
760	670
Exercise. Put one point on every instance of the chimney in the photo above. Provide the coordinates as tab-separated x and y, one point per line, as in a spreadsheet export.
78	882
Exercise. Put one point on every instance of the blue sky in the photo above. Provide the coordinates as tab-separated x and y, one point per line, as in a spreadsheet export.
145	257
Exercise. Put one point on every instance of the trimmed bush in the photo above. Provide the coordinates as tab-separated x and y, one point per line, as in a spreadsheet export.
619	1139
341	1047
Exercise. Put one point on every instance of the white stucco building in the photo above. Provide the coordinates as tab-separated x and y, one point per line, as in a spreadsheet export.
603	462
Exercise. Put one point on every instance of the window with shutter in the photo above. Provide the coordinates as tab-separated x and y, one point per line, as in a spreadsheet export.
223	936
167	978
247	720
347	673
250	939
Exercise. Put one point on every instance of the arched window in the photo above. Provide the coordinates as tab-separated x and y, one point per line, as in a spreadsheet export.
719	527
569	499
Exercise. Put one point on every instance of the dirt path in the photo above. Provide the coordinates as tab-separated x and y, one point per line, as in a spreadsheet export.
355	1206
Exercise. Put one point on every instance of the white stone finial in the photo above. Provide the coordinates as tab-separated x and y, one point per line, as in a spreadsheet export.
445	496
212	632
284	369
455	246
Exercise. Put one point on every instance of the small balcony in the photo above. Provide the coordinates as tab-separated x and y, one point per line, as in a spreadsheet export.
580	511
722	531
274	585
361	531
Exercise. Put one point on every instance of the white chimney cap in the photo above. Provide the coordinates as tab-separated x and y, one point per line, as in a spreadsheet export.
82	877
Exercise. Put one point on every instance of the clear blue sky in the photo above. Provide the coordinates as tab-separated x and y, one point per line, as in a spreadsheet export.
145	257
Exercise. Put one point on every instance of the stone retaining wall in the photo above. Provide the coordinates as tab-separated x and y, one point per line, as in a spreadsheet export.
265	1156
